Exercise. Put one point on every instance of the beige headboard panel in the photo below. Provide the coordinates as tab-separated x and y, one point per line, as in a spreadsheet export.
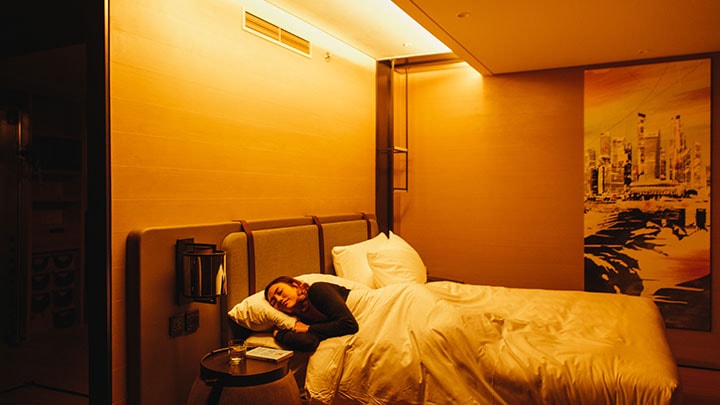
341	231
236	258
285	250
264	250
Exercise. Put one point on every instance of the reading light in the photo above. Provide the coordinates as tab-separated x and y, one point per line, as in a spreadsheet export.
200	271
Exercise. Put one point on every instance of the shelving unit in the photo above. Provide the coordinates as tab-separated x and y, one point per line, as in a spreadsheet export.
56	292
56	298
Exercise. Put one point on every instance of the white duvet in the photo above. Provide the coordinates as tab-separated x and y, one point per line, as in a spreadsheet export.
450	343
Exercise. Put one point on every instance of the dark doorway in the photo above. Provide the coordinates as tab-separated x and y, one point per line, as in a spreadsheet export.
55	333
42	127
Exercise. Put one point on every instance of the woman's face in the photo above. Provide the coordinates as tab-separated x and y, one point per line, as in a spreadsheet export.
283	296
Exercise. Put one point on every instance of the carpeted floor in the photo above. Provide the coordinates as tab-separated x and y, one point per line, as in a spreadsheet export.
46	369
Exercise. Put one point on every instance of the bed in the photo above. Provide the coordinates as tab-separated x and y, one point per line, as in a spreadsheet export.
426	341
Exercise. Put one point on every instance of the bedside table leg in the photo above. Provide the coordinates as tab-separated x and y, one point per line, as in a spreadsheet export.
281	392
214	397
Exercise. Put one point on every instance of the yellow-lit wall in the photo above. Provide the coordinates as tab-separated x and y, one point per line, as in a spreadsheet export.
496	184
495	176
210	123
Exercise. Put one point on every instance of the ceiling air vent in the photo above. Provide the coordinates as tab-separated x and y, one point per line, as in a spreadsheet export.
272	32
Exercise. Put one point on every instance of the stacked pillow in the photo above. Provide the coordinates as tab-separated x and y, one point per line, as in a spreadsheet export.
379	261
351	261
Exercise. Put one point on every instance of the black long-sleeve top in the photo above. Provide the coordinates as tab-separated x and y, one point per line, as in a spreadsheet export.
327	316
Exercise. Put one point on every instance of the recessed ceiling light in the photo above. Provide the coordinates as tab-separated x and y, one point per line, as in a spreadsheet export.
464	14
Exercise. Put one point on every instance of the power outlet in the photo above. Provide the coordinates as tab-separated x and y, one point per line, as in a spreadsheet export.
177	325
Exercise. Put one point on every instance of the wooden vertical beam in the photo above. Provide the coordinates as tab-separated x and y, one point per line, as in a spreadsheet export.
97	237
384	146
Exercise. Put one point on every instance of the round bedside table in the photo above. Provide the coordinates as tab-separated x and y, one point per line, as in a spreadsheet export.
251	382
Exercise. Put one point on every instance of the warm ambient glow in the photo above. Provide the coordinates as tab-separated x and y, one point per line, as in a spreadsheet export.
297	26
399	27
472	73
378	28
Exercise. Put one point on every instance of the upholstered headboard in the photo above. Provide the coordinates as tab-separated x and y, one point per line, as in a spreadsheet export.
263	250
256	252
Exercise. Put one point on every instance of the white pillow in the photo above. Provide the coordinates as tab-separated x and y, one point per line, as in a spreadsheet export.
396	262
256	313
351	261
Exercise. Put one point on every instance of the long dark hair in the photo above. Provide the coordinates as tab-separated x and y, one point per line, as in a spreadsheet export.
301	286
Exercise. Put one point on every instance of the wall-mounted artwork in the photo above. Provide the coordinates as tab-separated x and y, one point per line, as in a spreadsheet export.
647	186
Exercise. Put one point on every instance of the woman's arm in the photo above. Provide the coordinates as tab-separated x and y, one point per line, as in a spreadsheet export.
304	342
327	299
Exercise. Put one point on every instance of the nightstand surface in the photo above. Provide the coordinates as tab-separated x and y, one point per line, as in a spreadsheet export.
215	367
252	381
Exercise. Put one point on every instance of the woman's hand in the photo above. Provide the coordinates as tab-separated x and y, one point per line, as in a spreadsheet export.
301	327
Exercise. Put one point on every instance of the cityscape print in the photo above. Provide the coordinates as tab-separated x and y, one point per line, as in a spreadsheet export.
647	186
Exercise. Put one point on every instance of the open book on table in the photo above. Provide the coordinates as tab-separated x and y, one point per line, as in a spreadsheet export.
268	354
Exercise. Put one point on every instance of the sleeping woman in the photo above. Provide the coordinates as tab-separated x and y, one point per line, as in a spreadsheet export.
320	309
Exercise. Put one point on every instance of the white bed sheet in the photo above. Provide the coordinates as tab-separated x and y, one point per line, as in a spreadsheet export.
451	343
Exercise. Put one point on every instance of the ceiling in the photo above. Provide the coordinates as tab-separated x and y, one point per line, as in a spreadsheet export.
498	37
494	37
33	25
379	28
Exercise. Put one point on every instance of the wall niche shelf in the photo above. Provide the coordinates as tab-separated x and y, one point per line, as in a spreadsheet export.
57	180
